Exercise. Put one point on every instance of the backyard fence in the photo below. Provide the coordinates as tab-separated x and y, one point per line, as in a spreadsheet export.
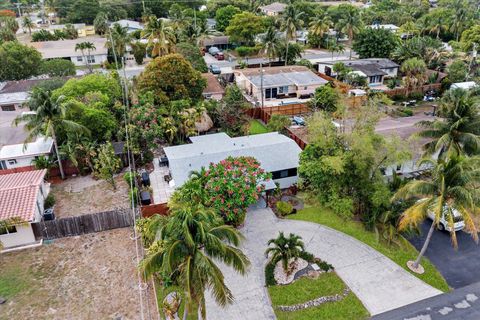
88	223
266	113
421	90
152	209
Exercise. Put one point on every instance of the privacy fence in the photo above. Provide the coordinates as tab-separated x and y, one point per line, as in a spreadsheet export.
88	223
266	113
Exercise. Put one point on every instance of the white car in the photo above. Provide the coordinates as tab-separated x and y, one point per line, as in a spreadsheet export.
443	223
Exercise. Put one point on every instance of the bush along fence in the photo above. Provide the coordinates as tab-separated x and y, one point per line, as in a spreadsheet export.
88	223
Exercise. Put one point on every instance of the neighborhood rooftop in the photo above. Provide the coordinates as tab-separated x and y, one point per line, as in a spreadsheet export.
274	151
274	7
213	86
283	76
66	48
18	194
40	147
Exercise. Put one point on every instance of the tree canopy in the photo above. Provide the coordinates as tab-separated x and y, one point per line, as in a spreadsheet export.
375	43
18	61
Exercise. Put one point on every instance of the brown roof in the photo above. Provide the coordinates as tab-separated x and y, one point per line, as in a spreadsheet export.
25	85
215	40
213	86
18	194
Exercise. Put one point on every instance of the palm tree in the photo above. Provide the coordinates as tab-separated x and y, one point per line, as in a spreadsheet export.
453	186
101	23
320	25
291	23
48	116
188	242
414	71
28	23
271	43
160	37
120	37
459	18
437	25
285	249
350	24
458	131
333	46
88	46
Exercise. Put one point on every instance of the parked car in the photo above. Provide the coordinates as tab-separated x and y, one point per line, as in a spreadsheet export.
443	223
299	121
220	56
214	69
213	51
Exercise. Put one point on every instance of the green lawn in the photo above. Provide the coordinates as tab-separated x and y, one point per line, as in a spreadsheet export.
305	289
356	229
256	127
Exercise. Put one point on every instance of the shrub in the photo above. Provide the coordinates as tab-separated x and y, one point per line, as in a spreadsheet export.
133	195
270	272
284	208
57	68
49	201
129	178
307	256
246	51
325	266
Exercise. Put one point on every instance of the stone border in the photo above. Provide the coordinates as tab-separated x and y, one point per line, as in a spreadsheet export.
315	302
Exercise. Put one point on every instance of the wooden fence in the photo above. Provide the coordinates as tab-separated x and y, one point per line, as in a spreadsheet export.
266	113
302	144
88	223
421	90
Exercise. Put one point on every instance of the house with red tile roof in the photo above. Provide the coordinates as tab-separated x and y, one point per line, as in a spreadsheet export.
22	197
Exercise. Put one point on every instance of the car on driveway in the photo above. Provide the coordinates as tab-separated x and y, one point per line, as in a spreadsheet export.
220	56
214	69
444	224
213	51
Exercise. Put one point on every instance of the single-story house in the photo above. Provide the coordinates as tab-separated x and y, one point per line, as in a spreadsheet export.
278	82
22	155
273	9
390	27
214	89
22	197
276	153
464	85
65	49
13	94
82	29
131	25
374	69
221	42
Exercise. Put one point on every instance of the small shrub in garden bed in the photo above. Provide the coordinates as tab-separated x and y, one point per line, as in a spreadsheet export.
49	201
284	208
270	272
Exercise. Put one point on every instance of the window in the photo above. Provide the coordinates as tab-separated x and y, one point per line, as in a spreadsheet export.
12	161
8	229
10	107
79	59
284	173
91	59
283	90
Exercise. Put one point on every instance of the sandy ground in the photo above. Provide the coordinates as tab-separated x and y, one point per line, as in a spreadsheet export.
83	195
89	277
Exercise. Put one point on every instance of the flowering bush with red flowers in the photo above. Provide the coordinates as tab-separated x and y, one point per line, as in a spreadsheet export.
232	185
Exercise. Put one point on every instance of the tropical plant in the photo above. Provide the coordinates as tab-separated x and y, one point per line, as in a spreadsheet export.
185	246
161	38
458	130
88	47
49	115
320	25
101	23
414	71
291	22
28	24
118	39
107	164
350	22
285	249
270	43
451	188
43	162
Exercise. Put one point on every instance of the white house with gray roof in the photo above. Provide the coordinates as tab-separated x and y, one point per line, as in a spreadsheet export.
276	153
278	83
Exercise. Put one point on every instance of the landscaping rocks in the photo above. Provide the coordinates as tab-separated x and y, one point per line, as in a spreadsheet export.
281	277
2	300
316	302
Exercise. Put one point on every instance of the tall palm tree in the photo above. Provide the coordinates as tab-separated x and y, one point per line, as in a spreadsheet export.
437	24
320	25
271	43
350	24
414	71
292	21
460	17
452	186
160	36
28	24
187	244
458	131
285	249
48	116
86	46
120	37
101	23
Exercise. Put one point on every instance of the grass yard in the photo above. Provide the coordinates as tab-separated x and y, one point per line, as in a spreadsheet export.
256	127
305	289
400	255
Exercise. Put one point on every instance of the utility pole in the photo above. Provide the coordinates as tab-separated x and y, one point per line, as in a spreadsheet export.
43	11
261	83
143	4
19	10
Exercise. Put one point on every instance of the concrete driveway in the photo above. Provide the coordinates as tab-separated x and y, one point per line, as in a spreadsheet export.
377	281
458	267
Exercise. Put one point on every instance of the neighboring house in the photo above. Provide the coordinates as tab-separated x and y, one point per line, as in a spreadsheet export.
131	25
22	196
211	24
221	42
65	49
15	93
22	155
374	69
464	85
276	153
278	82
390	27
273	9
213	90
82	29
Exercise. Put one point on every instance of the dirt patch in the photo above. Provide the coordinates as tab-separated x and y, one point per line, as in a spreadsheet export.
89	277
77	196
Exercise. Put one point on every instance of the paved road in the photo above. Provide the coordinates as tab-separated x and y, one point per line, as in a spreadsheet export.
459	267
377	281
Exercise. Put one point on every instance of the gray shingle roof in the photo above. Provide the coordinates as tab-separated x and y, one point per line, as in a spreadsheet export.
302	78
274	7
274	151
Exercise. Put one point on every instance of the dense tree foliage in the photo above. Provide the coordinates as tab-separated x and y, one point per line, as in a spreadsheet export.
325	98
193	55
57	68
375	43
244	27
224	15
18	61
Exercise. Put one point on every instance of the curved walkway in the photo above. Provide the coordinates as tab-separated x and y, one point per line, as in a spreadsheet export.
377	281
